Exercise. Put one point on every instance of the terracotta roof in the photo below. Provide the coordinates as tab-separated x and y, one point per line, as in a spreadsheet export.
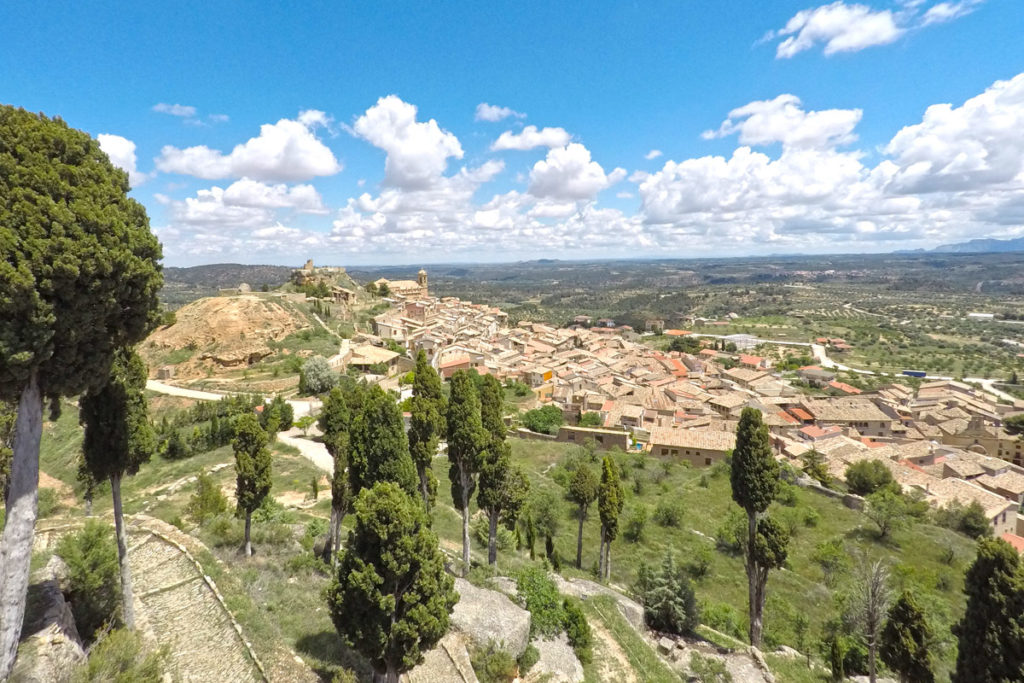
1016	541
705	439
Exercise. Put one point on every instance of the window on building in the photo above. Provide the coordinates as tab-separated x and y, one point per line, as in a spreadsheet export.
707	461
664	451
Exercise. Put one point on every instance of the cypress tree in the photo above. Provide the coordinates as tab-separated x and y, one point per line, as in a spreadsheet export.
426	425
79	279
118	439
467	441
991	632
755	481
379	448
582	491
391	597
610	501
252	469
906	641
335	422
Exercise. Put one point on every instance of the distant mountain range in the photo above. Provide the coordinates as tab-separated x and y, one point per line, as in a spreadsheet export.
977	246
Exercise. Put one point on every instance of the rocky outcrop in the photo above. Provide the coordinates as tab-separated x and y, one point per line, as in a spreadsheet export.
583	589
448	662
486	616
51	647
557	664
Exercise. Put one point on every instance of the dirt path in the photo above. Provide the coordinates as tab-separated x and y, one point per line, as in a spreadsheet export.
613	662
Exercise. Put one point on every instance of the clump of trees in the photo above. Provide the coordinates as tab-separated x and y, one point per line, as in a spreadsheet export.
78	281
544	420
969	520
316	377
867	476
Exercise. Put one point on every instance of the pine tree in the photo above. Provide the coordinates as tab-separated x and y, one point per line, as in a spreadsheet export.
252	469
906	641
391	597
79	279
610	501
467	441
426	425
378	447
583	487
335	422
670	604
118	439
755	480
991	632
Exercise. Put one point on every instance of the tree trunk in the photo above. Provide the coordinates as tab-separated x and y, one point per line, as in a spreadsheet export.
872	666
425	488
22	507
608	560
579	541
248	529
127	604
334	536
492	538
389	675
753	595
600	556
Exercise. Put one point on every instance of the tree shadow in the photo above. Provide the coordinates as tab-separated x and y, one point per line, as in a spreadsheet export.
330	654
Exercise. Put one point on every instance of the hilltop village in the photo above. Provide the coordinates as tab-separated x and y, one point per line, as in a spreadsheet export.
944	440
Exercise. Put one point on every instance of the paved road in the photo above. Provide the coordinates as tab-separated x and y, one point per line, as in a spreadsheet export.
313	451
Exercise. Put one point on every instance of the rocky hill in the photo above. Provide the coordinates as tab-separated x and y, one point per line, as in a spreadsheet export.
219	333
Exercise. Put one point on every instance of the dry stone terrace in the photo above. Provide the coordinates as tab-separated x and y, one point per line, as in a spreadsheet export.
657	397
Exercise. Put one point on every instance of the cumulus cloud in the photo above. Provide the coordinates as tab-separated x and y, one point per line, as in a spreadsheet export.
491	112
252	193
783	120
288	150
653	154
569	173
531	138
839	27
183	110
969	147
122	154
417	151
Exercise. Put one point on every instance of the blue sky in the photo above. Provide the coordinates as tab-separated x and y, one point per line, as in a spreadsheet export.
662	129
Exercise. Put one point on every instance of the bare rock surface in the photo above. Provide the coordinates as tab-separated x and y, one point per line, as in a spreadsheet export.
448	662
486	615
50	646
558	662
584	589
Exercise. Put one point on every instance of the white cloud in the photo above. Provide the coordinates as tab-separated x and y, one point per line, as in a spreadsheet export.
569	173
970	147
783	120
122	154
653	154
839	27
948	11
252	193
288	150
183	110
531	138
491	112
417	152
219	118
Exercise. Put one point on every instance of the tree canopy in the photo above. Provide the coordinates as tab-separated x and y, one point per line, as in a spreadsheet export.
391	597
426	424
867	476
755	472
906	641
379	449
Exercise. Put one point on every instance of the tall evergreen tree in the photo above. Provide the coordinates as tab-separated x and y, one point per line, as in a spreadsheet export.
335	422
504	487
118	439
252	469
467	442
426	424
610	499
755	481
991	632
379	448
583	487
391	597
79	278
906	641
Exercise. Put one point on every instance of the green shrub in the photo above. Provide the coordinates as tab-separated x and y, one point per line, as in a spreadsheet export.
541	598
49	502
969	520
94	586
120	657
316	529
207	501
668	598
708	669
731	534
700	562
316	377
530	656
545	420
578	630
786	495
724	618
669	513
480	529
493	665
867	476
635	525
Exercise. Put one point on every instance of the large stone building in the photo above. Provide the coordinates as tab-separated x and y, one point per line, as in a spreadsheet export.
407	289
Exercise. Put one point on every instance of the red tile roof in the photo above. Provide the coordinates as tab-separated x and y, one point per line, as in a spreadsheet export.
677	333
1016	541
801	414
